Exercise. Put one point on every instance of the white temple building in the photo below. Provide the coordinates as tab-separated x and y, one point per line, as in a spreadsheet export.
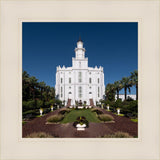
80	82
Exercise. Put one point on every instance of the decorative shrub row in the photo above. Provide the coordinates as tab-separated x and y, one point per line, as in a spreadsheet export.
105	117
98	111
63	111
55	118
128	107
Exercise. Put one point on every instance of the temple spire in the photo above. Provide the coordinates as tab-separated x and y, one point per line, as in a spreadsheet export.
80	40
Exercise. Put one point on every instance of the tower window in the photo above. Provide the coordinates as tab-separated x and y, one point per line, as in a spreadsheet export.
69	80
90	80
80	77
61	80
98	80
80	92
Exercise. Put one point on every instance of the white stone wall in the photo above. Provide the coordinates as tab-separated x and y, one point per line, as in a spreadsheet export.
122	96
79	64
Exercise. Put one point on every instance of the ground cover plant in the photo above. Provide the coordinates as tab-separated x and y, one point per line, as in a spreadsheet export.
39	135
117	135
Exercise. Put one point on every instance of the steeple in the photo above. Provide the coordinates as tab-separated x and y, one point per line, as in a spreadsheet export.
80	51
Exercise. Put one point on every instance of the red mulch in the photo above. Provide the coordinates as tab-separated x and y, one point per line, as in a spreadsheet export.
123	124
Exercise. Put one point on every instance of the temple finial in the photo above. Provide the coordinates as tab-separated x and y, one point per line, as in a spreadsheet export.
79	38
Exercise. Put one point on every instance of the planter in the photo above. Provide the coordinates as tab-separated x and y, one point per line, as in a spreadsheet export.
80	107
81	127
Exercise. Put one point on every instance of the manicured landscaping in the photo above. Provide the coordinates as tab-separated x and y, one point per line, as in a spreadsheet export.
72	116
134	120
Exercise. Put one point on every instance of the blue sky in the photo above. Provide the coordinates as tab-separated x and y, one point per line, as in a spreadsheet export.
114	46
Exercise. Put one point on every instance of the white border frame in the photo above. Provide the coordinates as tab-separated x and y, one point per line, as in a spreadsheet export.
13	13
76	139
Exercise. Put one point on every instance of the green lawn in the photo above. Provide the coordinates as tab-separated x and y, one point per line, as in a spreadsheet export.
72	116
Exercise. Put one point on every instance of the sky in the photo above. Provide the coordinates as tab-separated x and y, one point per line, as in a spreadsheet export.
112	45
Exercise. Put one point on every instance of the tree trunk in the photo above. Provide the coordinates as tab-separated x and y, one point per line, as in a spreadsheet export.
41	94
125	92
136	92
117	94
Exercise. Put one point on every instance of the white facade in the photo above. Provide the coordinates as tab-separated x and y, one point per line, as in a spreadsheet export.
80	82
122	96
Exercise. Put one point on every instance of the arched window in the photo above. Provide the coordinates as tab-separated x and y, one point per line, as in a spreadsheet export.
61	80
90	80
80	92
69	80
79	77
98	80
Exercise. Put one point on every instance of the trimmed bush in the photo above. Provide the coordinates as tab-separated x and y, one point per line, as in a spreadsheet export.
105	117
118	135
98	111
63	111
55	118
39	135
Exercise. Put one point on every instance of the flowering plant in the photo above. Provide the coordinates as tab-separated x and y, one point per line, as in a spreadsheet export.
81	120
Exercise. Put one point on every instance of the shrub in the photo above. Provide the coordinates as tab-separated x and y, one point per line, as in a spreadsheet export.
118	135
28	105
98	111
55	118
38	104
105	117
39	135
63	111
31	114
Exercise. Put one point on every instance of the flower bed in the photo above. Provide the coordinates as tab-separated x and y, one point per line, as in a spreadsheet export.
81	120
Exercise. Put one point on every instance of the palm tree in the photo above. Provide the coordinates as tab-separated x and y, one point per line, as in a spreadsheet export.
118	86
134	80
126	83
110	91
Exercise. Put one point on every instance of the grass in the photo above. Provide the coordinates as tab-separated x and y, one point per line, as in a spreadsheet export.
134	120
87	113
